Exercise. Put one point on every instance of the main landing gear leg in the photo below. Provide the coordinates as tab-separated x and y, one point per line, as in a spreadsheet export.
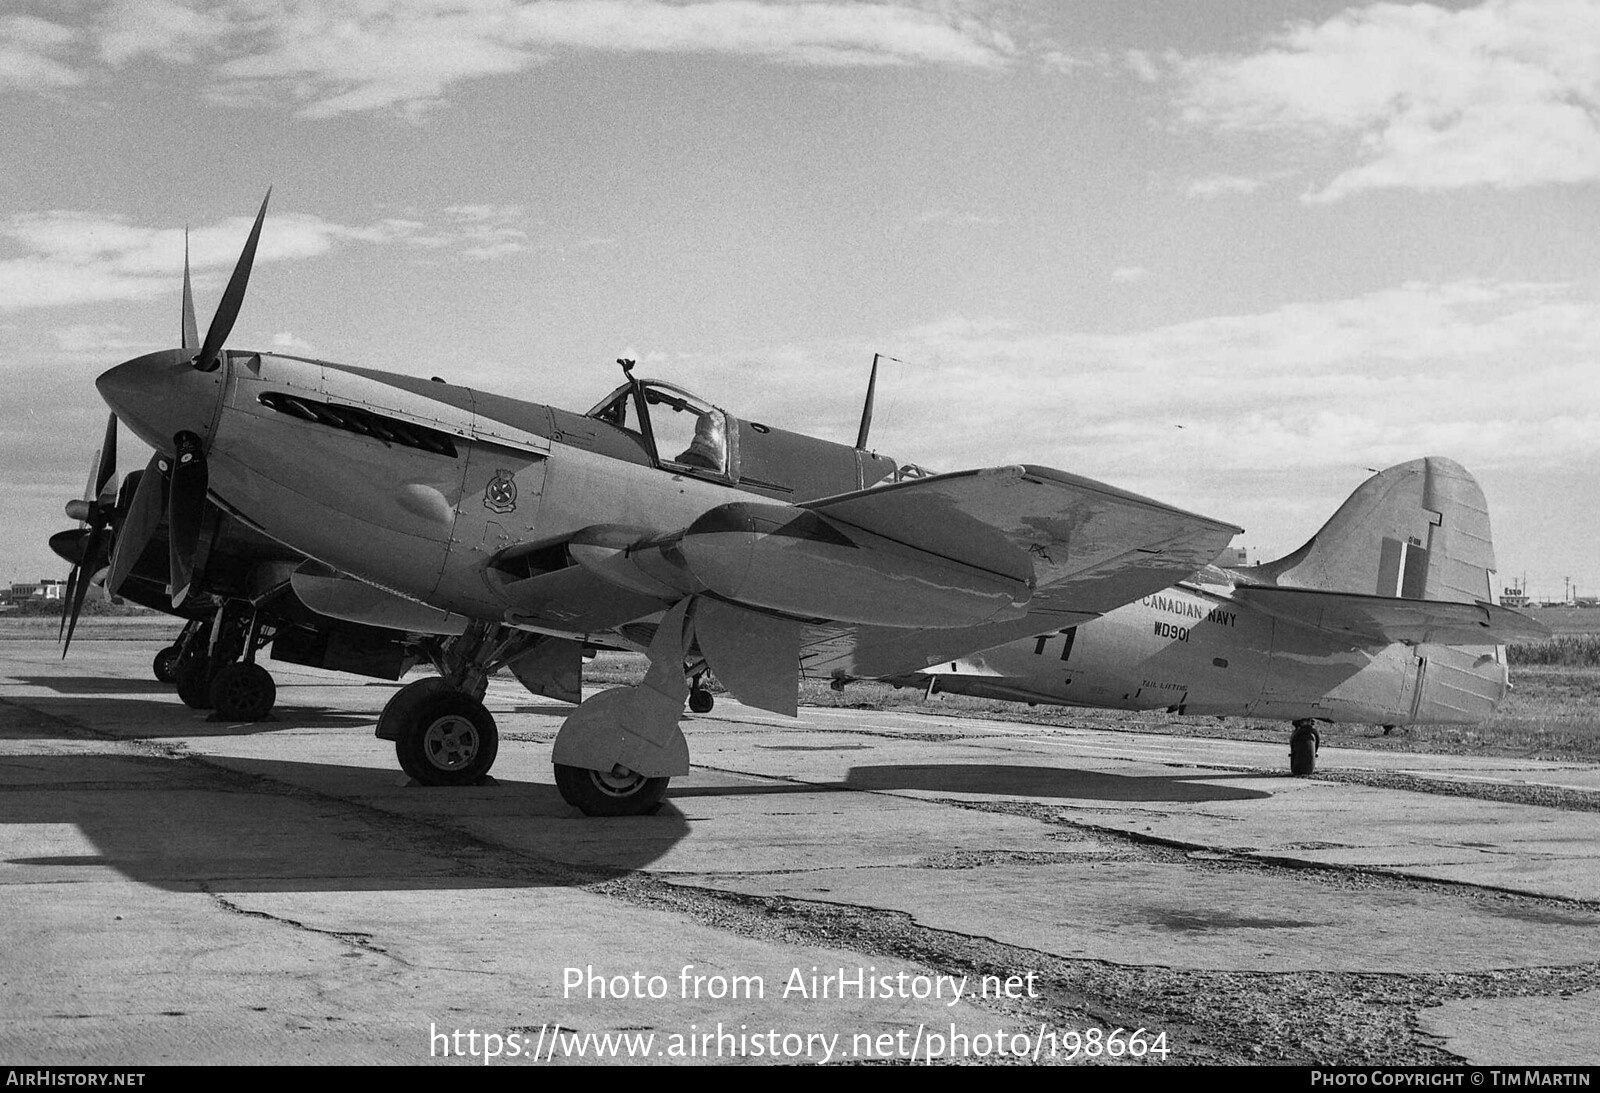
616	753
165	665
216	666
443	734
1303	745
243	690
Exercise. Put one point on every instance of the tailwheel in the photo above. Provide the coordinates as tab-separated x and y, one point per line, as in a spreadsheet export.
1303	746
243	692
617	792
193	677
700	699
447	739
165	666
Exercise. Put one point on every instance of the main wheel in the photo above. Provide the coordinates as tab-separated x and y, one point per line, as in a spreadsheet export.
450	740
165	666
402	707
618	792
243	692
701	700
193	678
1303	745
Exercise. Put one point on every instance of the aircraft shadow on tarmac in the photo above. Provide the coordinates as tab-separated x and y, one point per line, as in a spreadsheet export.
94	685
1057	783
266	825
151	718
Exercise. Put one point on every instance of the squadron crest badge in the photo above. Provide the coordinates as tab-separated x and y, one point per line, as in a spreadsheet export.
500	495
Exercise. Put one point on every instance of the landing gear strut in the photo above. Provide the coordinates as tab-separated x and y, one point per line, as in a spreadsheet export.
216	664
165	666
443	734
1303	745
193	637
617	751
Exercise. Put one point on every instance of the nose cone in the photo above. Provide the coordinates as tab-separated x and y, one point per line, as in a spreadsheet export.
159	394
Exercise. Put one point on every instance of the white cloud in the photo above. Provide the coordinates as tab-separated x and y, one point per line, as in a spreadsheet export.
74	257
169	30
287	340
94	341
1504	94
334	57
1124	275
1491	374
33	53
1143	65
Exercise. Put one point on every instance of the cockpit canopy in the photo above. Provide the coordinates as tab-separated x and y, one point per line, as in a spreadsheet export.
683	433
685	430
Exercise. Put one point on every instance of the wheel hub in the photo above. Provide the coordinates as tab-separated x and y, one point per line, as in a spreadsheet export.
619	781
451	743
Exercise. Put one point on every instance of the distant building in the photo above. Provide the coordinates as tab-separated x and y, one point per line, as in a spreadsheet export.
46	588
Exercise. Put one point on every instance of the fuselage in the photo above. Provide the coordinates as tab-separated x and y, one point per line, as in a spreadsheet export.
1194	649
459	498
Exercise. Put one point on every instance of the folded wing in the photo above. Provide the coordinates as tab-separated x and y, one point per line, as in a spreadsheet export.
1081	546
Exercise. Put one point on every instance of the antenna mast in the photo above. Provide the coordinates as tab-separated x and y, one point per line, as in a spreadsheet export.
872	393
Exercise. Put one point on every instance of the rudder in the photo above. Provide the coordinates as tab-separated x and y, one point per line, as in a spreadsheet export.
1419	530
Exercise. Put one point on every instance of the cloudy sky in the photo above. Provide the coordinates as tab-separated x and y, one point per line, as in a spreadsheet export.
1229	253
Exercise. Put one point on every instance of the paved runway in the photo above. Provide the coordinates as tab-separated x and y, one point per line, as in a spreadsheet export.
848	885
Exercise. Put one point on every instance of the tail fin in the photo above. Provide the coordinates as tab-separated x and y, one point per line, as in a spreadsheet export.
1418	531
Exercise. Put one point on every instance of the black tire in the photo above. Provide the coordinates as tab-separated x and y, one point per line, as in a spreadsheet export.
165	666
1303	746
193	678
402	707
450	740
243	692
619	793
701	701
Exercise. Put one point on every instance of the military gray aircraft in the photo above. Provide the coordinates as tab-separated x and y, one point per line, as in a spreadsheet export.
656	520
1386	616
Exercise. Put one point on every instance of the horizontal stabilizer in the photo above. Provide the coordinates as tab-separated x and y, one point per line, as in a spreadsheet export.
1381	620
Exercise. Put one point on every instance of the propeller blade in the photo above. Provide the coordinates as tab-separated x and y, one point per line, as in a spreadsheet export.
191	332
232	298
139	525
99	500
93	559
108	457
79	508
186	507
66	604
